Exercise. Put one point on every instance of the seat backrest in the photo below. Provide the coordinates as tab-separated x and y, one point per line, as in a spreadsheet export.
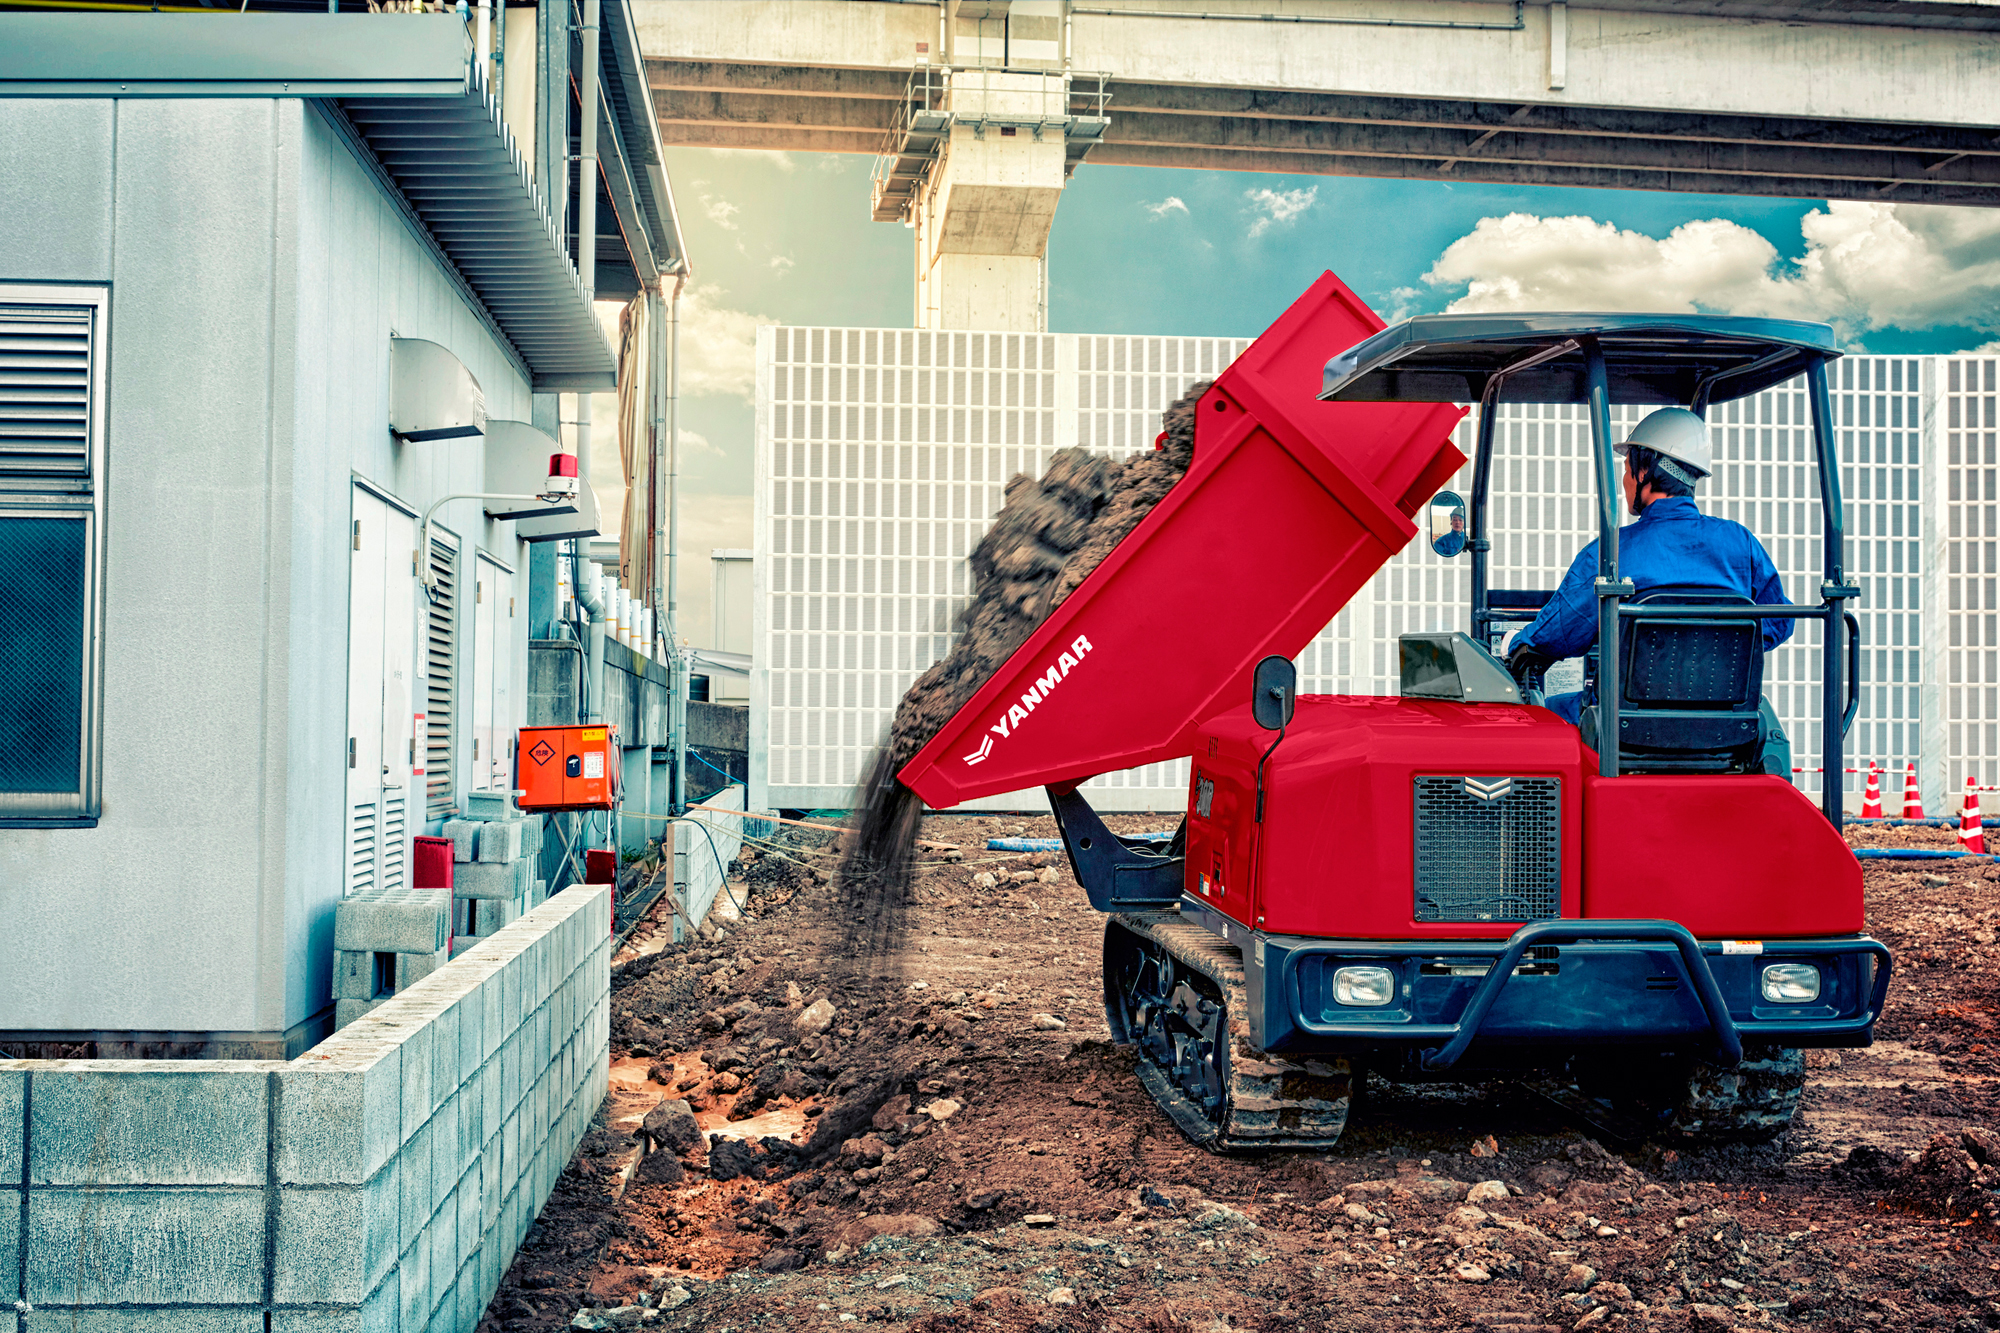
1691	665
1689	689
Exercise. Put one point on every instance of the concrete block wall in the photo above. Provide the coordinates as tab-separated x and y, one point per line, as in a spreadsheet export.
380	1183
698	870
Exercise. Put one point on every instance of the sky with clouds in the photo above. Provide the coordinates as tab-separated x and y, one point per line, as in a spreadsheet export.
786	238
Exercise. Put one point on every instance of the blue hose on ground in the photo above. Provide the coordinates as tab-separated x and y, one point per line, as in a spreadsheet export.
1915	854
1055	844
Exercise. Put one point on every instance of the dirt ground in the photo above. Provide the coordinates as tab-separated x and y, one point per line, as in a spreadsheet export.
956	1145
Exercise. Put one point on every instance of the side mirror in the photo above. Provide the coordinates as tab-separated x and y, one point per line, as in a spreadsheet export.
1448	524
1274	688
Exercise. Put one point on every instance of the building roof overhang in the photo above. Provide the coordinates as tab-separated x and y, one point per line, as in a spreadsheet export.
405	89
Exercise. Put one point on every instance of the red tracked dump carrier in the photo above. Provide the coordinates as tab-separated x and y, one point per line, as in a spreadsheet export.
1443	881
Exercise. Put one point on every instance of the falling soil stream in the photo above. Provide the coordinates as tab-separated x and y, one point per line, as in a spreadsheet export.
1049	535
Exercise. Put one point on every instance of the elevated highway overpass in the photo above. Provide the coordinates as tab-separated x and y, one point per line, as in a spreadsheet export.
977	110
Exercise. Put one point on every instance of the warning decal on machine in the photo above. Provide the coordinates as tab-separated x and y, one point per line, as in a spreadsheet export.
1743	946
542	753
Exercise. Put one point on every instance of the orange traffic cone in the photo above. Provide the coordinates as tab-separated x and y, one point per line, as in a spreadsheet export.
1913	801
1871	799
1971	837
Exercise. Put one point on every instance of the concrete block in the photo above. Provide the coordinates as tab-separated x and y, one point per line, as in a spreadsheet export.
414	967
464	835
447	1148
443	1232
417	1102
470	1306
151	1246
148	1123
500	841
415	1197
531	835
486	806
468	1217
505	880
339	1126
446	1318
492	1109
346	1011
413	1272
179	1319
444	1055
538	893
13	1127
10	1248
353	975
393	921
334	1242
378	1313
488	916
492	1021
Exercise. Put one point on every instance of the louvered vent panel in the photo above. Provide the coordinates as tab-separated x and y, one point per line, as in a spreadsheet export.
361	840
45	365
440	673
395	841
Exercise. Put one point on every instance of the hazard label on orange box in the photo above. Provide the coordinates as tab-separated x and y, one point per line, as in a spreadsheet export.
542	753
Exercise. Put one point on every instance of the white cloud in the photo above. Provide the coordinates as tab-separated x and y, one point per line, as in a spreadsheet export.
718	345
1171	204
693	441
1276	208
782	263
719	211
1866	266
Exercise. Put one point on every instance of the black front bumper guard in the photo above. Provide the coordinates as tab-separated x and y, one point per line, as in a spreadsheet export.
1454	1039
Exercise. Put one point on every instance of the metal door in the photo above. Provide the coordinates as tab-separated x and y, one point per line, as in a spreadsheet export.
381	667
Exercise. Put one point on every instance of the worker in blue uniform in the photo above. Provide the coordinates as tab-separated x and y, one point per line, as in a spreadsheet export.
1673	543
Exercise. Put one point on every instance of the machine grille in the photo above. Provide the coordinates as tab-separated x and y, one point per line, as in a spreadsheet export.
1488	848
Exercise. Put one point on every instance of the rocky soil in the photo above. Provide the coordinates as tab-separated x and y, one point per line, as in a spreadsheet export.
945	1140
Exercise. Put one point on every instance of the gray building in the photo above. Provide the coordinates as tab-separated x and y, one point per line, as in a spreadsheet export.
273	287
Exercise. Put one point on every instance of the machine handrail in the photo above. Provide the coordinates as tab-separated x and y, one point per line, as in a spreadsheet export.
1853	671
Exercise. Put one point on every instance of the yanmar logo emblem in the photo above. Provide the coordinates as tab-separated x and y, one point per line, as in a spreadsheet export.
1490	790
1042	686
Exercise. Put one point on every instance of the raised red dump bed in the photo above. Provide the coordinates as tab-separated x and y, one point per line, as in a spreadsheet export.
1290	506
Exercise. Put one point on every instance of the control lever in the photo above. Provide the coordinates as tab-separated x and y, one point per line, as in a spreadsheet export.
1527	667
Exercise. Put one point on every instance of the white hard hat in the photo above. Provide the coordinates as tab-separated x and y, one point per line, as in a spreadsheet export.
1675	432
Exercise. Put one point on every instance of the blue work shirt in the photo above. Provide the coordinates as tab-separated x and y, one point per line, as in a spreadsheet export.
1671	543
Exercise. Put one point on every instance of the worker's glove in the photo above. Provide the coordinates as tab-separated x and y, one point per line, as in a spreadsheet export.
1526	666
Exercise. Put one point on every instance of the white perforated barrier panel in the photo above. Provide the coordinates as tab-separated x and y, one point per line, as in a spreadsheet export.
882	454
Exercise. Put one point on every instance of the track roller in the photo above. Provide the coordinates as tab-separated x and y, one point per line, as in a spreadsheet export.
1176	992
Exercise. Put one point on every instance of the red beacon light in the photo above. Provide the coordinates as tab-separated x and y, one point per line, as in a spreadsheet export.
563	483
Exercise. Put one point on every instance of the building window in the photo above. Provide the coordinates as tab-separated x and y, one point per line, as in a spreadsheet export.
52	342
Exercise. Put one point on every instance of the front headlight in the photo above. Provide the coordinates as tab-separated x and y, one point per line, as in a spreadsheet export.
1791	983
1364	987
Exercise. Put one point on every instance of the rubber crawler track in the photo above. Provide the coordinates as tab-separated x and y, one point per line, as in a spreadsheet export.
1273	1102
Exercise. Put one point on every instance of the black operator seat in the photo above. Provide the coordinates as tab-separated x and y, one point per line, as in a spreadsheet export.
1691	689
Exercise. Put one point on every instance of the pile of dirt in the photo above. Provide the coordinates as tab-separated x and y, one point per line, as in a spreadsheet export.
1048	537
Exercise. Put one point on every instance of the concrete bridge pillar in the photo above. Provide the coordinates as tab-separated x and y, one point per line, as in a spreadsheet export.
982	214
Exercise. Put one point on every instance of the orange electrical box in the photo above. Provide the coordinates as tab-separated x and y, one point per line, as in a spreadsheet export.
568	768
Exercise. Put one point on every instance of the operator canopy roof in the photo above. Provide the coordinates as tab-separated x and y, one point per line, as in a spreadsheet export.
1656	359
